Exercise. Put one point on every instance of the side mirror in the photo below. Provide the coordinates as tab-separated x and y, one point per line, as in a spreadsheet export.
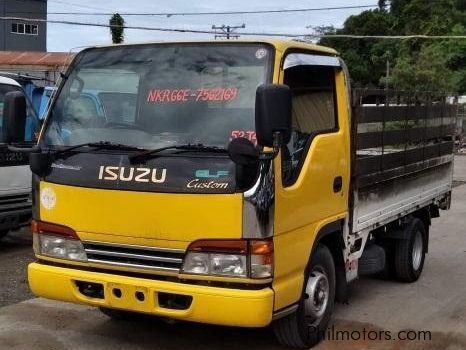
39	162
14	117
273	114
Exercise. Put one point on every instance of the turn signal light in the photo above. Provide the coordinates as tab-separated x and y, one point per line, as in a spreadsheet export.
261	255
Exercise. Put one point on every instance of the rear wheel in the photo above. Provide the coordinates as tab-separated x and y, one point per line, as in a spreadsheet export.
305	327
410	252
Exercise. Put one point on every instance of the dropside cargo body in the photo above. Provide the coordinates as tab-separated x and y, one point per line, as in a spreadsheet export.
402	154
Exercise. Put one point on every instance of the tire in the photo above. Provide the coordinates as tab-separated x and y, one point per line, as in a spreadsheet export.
410	252
119	315
3	233
306	326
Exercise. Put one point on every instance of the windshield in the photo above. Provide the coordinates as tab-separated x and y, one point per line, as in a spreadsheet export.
32	123
160	95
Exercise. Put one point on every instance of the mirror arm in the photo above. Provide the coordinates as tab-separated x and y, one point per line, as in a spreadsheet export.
277	144
277	141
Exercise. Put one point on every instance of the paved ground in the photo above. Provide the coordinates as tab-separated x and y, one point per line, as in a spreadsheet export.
15	254
460	168
436	303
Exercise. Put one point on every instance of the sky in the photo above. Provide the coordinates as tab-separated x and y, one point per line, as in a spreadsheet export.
62	37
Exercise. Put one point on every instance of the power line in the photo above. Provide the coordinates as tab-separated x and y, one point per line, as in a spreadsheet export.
200	31
160	29
211	13
416	36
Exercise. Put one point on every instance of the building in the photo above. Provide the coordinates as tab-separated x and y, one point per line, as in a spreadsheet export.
43	68
20	34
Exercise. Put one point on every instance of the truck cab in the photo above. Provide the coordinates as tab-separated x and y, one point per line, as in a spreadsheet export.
15	175
217	184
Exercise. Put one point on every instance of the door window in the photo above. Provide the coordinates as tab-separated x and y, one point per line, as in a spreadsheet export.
313	112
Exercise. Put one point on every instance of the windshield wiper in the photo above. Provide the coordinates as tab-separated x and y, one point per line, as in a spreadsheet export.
197	147
64	153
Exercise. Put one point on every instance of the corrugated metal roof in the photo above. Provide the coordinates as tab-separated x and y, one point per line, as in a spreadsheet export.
31	58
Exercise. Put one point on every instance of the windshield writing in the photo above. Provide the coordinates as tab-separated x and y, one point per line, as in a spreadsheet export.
186	95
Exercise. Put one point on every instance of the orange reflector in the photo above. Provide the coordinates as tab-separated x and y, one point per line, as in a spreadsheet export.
262	247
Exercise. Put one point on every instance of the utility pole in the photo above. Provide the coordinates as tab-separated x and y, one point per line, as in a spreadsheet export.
227	32
387	77
388	56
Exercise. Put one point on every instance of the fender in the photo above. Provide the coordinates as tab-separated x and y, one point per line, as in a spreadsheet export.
331	234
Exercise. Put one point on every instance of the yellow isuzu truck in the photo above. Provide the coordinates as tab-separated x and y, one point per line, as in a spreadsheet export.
236	183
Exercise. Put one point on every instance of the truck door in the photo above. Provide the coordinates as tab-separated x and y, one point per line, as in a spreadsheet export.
313	176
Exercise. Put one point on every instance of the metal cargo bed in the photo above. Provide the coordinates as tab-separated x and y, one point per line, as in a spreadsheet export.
402	156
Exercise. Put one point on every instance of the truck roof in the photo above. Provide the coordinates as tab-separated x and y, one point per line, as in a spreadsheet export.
280	44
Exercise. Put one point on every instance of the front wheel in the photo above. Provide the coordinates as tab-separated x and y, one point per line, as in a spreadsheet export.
306	326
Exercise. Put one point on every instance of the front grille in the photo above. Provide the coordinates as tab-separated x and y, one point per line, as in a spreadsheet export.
130	256
14	203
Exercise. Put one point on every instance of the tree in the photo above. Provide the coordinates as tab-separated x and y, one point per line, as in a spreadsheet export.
427	72
418	64
382	5
366	58
117	24
437	65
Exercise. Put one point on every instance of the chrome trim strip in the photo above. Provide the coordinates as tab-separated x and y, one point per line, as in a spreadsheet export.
259	204
139	266
284	312
112	267
105	253
130	246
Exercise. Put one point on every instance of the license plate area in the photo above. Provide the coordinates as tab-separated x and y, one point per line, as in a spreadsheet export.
124	296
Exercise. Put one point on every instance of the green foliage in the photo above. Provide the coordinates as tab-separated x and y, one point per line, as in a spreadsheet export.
366	58
427	72
415	64
116	30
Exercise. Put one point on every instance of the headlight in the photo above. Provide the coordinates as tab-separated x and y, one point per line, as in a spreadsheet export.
57	241
59	247
234	258
215	264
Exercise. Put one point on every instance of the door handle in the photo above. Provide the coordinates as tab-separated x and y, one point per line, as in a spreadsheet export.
337	184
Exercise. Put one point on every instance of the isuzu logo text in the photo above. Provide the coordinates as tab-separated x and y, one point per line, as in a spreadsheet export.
115	173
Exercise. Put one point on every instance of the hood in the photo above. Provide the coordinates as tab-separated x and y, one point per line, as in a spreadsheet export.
170	208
